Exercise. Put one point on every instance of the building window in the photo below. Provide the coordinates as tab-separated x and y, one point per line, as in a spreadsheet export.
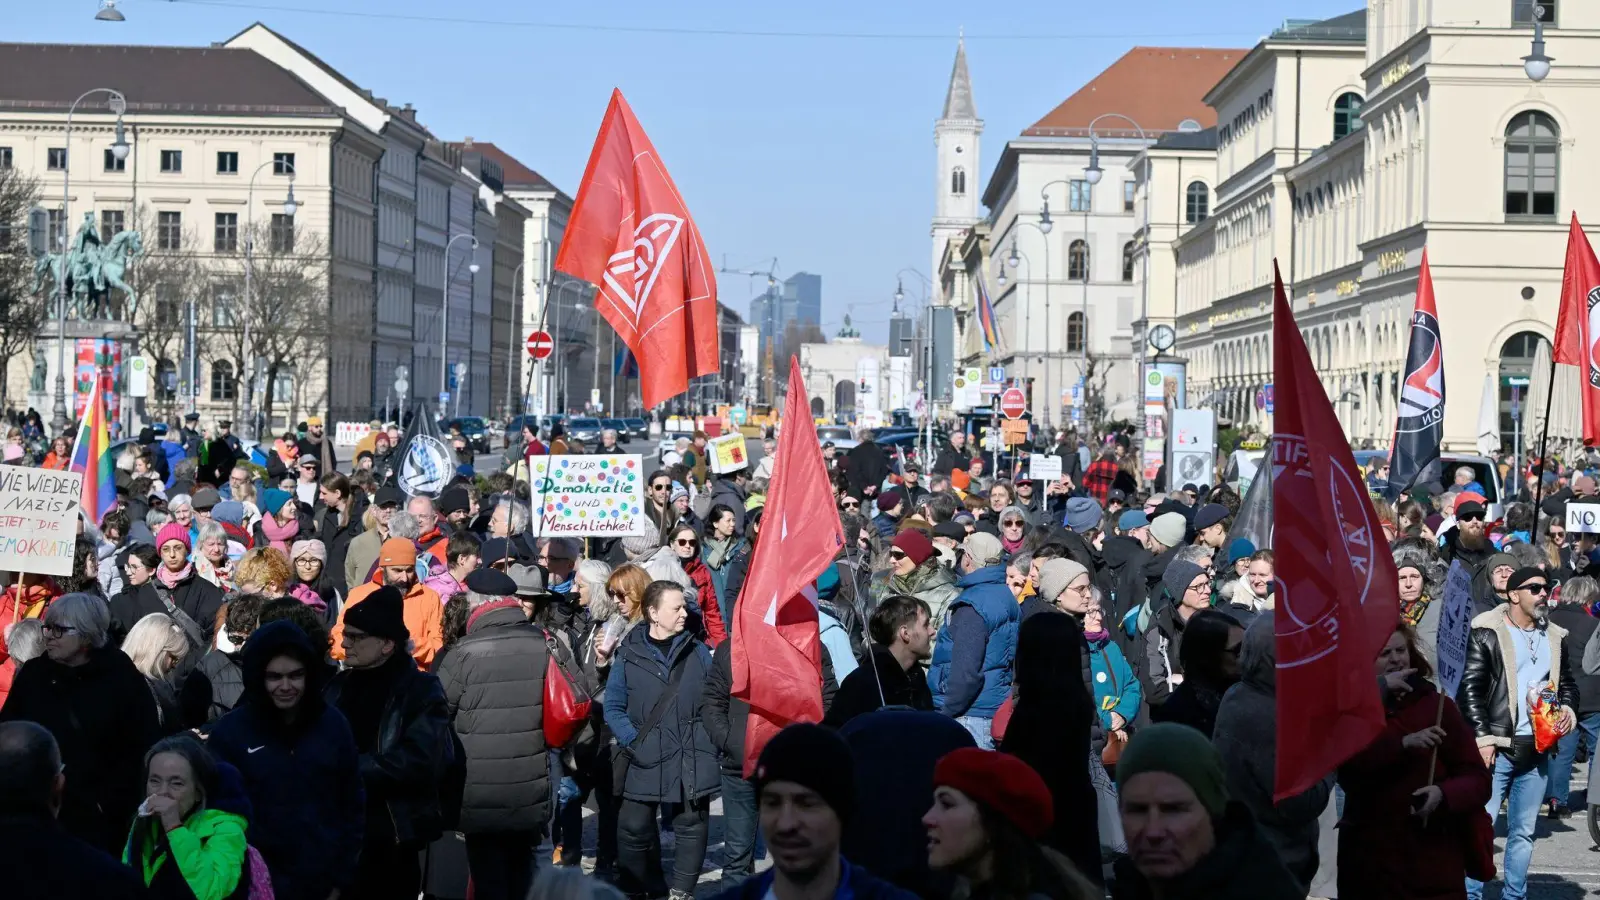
283	164
169	230
55	159
1522	12
168	307
5	158
172	161
283	386
1346	114
281	237
227	162
58	230
1078	261
1197	203
1127	261
112	223
1532	144
958	180
1075	333
1127	196
223	314
113	164
222	382
227	233
1078	196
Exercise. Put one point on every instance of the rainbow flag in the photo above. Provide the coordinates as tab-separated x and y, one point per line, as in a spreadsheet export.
91	456
986	322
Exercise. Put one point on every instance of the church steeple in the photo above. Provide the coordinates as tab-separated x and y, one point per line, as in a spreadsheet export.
958	98
957	162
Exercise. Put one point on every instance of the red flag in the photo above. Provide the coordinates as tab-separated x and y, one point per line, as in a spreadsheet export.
1578	324
631	234
1338	595
777	651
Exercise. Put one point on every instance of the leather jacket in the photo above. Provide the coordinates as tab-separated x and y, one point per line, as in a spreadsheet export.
1484	695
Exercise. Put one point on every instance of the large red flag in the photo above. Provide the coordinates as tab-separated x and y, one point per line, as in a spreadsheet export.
631	234
777	651
1578	324
1338	595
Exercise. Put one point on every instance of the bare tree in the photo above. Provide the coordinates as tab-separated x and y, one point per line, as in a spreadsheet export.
22	310
167	278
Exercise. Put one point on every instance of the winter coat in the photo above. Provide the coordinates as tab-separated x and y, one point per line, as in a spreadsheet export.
61	865
1158	648
1473	559
1580	628
724	715
110	574
213	689
493	681
360	560
131	605
302	778
202	859
337	539
1245	738
837	639
424	618
855	883
1486	685
886	525
705	592
1387	853
104	720
1116	687
34	600
403	771
199	599
971	670
930	582
1241	866
8	674
445	585
676	761
883	683
727	592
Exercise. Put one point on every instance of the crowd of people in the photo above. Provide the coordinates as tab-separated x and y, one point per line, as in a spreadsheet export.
297	681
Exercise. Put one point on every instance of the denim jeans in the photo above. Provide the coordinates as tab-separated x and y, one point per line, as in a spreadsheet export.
1561	761
1525	793
739	826
978	727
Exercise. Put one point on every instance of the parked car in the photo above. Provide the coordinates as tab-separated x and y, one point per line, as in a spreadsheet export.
1484	470
514	428
841	436
638	429
584	430
475	430
620	426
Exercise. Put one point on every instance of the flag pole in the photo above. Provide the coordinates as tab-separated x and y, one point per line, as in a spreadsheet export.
1544	437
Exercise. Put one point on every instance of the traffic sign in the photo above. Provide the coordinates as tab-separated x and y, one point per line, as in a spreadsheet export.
997	373
540	344
444	397
1013	403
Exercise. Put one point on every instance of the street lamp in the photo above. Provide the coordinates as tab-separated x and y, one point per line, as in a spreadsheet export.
109	12
290	207
1537	64
1093	173
119	149
1044	215
444	312
511	339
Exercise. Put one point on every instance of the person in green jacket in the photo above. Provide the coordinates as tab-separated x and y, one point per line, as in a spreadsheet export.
181	844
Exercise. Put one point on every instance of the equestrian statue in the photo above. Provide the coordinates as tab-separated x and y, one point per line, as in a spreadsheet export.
92	270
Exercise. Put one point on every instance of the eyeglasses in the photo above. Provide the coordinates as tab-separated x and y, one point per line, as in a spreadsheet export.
691	542
56	631
1537	589
1201	585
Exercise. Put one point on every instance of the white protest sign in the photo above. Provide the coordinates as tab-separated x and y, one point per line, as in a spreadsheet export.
38	519
1583	518
1044	468
589	496
1455	626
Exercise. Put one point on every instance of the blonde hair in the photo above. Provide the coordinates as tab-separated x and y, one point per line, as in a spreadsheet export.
264	570
153	642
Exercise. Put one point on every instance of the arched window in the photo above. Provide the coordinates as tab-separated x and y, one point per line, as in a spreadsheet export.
1075	333
1127	261
1532	143
1197	203
1347	114
958	180
222	382
1078	261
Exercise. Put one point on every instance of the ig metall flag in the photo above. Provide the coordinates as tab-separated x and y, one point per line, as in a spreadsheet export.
1419	422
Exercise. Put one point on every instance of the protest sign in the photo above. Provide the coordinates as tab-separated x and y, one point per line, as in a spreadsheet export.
1583	518
727	453
38	519
1015	431
589	496
1044	468
1455	625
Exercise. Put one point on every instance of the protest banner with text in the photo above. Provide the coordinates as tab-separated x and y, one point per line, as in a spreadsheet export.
589	496
38	513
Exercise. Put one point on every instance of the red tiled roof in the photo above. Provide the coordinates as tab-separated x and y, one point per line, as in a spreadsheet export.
516	174
1158	87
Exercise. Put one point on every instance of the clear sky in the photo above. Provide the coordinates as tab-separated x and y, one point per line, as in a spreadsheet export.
796	131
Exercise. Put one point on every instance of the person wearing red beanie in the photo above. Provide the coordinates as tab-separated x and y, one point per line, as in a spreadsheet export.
989	809
915	569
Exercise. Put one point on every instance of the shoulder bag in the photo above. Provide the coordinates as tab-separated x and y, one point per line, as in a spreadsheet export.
566	698
623	758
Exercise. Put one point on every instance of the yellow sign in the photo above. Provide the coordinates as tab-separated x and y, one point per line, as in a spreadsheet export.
727	453
1399	70
1347	287
1391	261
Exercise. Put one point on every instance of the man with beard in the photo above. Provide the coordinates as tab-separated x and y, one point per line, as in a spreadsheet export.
1469	541
902	642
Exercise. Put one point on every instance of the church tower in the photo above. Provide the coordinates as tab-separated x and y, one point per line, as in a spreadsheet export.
956	137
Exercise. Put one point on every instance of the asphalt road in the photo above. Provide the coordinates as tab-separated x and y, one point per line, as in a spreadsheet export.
1566	864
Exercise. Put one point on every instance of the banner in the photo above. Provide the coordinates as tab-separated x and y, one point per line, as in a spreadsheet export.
1044	469
589	496
38	519
1455	626
427	463
91	356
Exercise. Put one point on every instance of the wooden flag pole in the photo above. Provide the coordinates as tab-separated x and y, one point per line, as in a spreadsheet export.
1433	758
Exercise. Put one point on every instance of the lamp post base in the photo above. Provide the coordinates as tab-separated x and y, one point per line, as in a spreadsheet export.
58	417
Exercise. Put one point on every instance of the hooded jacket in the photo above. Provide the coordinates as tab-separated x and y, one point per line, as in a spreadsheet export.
302	777
929	582
971	670
676	761
424	618
1245	739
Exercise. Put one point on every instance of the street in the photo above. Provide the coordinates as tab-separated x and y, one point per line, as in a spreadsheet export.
1565	864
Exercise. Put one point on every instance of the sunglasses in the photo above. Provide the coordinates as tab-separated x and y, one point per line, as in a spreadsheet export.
616	595
1012	523
1537	590
659	487
1471	517
848	504
687	543
897	555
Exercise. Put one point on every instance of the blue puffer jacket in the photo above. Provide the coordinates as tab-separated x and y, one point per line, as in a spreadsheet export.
971	670
676	761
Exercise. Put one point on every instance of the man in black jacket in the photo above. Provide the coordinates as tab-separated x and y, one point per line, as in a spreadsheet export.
493	681
1511	650
902	637
402	730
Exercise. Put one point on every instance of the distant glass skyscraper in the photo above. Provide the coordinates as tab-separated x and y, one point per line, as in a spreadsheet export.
802	298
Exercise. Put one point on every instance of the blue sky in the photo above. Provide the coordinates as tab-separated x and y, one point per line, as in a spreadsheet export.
816	150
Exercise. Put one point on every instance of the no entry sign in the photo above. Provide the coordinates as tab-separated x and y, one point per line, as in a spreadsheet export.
1013	403
540	344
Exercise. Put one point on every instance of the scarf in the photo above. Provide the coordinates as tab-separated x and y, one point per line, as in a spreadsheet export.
563	587
1412	612
172	579
1012	546
1097	639
717	551
279	536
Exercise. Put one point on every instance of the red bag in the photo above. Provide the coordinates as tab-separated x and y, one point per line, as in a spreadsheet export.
566	700
1002	718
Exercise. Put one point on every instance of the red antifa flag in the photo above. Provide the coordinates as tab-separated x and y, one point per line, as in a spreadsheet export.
1338	596
1419	422
777	650
631	234
1578	324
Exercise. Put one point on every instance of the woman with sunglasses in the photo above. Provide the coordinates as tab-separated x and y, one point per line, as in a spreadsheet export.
1013	521
685	544
625	589
1209	656
915	569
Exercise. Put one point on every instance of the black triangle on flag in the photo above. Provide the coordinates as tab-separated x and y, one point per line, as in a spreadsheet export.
424	463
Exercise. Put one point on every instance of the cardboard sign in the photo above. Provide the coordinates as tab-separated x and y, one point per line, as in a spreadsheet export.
1015	431
589	496
1044	468
1583	518
38	519
727	453
1455	626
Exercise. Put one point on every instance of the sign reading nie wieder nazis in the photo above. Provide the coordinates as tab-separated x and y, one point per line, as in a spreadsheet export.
589	496
38	519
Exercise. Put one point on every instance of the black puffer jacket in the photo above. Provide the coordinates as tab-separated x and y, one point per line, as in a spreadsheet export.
676	760
725	715
199	599
493	681
336	539
213	689
1484	695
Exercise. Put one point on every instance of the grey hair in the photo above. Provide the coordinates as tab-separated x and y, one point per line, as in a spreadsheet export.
25	640
1195	553
663	565
1022	562
517	517
180	500
1581	591
564	883
151	643
86	614
156	518
124	459
475	599
209	530
1527	554
593	574
404	525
